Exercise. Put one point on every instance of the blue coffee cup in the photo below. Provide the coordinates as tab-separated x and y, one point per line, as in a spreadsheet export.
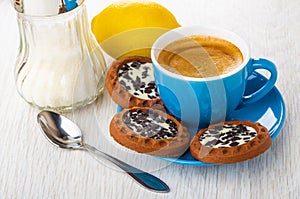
198	102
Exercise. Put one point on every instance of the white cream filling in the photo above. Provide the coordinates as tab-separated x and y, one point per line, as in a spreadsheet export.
145	74
228	136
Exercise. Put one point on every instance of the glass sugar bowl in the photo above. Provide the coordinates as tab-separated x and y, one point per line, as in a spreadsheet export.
60	65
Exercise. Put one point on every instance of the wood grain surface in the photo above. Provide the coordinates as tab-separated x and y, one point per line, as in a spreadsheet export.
30	167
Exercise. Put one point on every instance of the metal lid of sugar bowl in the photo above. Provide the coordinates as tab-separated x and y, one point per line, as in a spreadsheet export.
45	7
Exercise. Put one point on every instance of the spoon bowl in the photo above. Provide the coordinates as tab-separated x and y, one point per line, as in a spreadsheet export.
60	131
64	133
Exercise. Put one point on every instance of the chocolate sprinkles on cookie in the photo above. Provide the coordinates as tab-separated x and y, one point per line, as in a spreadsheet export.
130	82
230	142
150	124
149	131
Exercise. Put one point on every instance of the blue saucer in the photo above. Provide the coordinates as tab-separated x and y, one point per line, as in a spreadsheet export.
269	111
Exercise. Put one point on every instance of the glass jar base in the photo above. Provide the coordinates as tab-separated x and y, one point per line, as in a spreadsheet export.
71	107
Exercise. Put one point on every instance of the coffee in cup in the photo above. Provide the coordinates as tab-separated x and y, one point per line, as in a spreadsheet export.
200	56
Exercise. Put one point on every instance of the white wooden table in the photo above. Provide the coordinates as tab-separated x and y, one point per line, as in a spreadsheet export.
30	167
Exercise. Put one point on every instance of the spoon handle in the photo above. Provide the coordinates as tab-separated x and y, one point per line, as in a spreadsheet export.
147	180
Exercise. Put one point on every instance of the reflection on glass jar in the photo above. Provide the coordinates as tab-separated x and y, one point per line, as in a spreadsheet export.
60	65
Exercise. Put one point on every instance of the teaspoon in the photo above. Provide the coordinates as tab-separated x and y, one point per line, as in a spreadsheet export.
64	133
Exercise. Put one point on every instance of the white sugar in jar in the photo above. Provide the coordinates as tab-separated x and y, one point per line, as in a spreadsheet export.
60	66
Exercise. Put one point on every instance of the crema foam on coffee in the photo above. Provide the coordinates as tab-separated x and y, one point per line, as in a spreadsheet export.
200	56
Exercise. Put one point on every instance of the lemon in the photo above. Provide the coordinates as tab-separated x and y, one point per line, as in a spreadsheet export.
130	27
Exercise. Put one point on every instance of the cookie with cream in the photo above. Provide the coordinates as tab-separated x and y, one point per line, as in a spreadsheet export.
150	131
230	142
130	83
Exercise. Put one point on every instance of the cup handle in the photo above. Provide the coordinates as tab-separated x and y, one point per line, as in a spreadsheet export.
265	89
